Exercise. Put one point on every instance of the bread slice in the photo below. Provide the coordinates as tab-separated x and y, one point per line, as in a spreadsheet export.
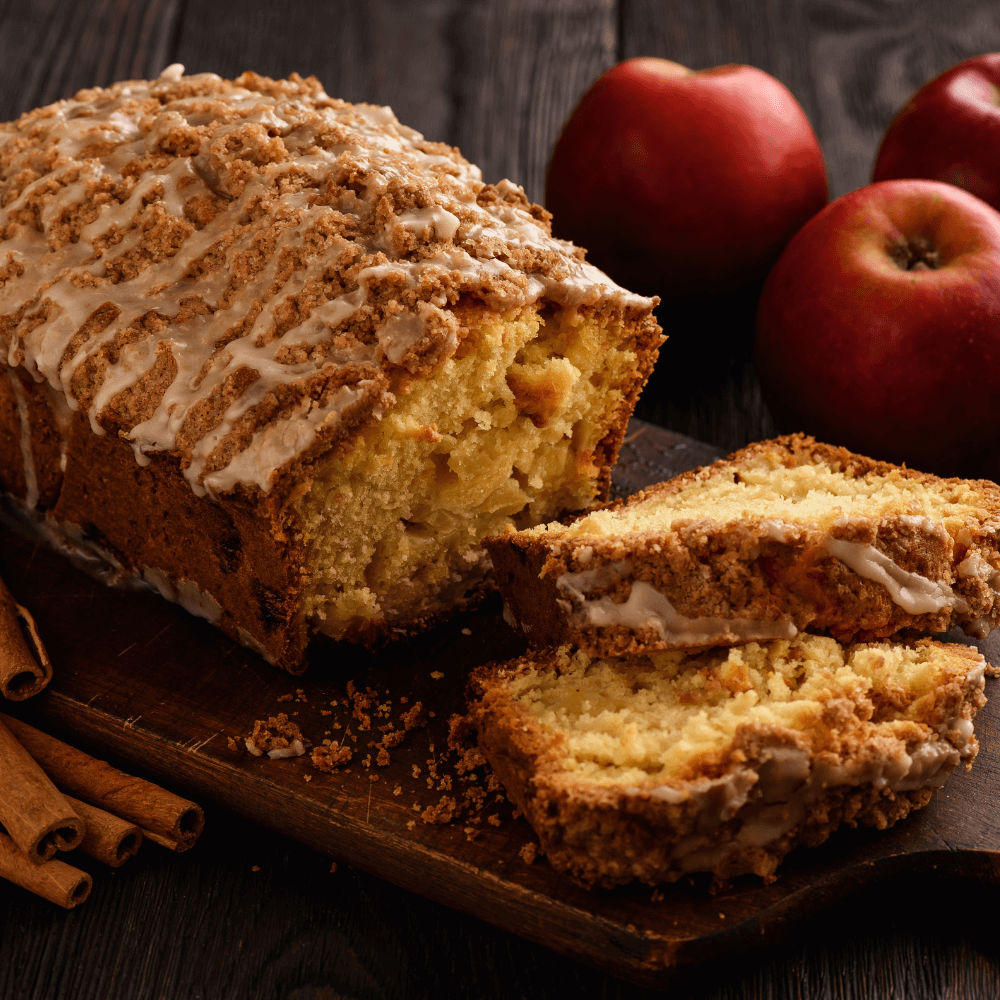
649	767
783	536
280	358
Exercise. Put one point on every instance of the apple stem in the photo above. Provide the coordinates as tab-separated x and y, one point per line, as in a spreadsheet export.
915	255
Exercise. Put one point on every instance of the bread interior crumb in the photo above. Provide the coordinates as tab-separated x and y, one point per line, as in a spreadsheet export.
645	720
503	433
805	494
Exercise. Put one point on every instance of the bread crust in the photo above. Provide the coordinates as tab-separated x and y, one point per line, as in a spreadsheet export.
747	573
609	835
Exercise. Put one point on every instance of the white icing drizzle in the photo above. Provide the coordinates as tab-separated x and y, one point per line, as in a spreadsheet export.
914	593
27	452
475	245
647	607
789	781
974	565
927	525
398	334
173	72
277	444
779	531
186	593
422	220
978	628
62	415
251	643
295	750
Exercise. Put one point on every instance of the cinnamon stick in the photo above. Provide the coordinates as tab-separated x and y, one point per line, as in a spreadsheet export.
55	881
23	672
95	781
36	815
108	839
168	842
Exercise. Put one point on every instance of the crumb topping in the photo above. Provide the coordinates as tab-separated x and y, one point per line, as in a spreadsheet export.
238	273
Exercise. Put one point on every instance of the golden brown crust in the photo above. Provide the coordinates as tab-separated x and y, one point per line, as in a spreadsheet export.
609	835
746	572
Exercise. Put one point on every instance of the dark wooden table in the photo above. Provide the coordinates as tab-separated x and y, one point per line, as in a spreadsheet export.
250	914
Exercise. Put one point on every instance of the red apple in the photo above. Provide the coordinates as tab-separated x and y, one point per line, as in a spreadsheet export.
879	327
949	131
677	181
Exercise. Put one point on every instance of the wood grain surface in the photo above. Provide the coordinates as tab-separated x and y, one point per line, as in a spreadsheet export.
496	77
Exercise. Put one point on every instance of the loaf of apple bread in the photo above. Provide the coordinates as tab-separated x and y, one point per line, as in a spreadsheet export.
783	536
650	767
285	361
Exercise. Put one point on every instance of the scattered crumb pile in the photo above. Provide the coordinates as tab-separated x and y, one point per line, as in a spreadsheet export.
277	737
362	705
469	788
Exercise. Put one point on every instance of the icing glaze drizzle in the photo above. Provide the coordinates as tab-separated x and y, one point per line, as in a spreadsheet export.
914	593
646	607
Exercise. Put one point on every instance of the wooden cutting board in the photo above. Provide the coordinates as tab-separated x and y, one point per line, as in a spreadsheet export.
140	681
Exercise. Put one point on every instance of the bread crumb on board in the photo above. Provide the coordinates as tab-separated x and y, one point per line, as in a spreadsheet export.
277	737
330	755
460	774
443	812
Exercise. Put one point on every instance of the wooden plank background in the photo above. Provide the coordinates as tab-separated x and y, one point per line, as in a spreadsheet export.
497	78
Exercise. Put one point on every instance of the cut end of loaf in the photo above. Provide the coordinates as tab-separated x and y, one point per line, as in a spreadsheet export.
518	427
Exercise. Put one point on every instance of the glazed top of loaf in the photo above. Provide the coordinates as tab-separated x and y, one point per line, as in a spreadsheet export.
228	270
